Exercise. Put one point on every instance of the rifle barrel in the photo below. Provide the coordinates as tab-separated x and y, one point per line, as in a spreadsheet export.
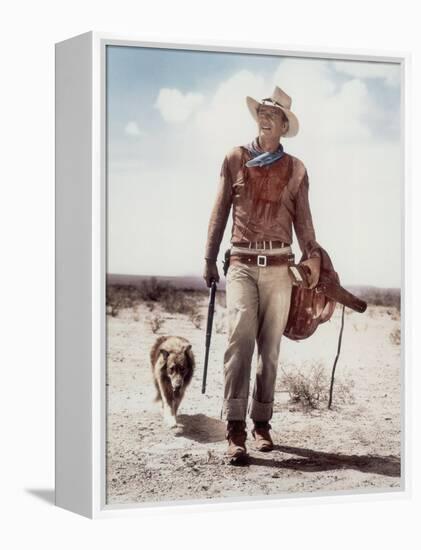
211	309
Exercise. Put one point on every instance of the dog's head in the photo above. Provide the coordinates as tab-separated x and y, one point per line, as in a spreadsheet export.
178	366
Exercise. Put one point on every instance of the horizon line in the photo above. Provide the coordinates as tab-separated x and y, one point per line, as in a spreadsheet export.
223	279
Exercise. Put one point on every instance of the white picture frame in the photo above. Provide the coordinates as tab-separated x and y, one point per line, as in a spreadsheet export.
81	151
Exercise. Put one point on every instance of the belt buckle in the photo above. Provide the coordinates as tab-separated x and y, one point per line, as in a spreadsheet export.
262	261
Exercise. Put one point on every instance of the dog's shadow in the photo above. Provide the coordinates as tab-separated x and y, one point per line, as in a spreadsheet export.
200	428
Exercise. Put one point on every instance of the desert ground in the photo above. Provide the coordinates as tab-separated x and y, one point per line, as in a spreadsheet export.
354	446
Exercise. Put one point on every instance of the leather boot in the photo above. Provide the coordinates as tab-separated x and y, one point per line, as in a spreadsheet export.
236	435
263	440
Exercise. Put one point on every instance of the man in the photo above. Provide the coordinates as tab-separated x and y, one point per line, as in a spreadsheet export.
268	192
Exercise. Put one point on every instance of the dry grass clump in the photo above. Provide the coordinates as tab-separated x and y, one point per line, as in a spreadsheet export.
395	315
152	290
220	327
395	336
196	319
176	301
179	302
156	322
360	327
308	389
309	386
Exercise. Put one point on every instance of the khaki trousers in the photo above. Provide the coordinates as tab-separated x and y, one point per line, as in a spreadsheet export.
258	301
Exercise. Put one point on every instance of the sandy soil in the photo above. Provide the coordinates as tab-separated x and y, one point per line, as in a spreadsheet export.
356	445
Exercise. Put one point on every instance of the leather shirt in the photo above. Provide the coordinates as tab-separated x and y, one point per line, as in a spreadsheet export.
266	203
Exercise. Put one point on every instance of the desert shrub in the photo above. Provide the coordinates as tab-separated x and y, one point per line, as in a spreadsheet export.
395	315
109	310
156	323
151	290
310	387
196	319
360	327
114	310
121	297
388	297
152	293
129	296
220	326
395	336
177	301
307	389
371	312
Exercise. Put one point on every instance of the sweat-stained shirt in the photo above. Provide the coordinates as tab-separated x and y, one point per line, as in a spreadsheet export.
266	202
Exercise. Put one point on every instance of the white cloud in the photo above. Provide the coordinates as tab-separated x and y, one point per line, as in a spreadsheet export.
305	80
132	129
175	106
390	72
224	121
325	113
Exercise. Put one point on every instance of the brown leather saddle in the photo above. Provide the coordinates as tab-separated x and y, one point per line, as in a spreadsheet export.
312	307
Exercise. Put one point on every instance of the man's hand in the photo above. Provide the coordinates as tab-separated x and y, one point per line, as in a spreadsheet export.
314	266
210	272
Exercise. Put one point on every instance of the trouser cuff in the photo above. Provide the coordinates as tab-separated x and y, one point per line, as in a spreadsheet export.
234	409
261	411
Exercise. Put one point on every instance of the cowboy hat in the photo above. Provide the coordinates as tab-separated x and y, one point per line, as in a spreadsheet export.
280	100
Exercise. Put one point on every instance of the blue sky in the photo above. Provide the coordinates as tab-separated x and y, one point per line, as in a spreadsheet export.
135	76
173	115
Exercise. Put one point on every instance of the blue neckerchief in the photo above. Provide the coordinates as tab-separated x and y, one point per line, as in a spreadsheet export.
259	158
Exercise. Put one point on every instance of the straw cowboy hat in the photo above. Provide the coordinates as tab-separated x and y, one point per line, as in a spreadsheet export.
278	99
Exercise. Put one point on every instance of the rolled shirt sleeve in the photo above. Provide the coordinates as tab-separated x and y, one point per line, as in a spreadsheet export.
303	222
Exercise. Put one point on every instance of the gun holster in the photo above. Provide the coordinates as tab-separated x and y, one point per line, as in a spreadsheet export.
300	274
226	262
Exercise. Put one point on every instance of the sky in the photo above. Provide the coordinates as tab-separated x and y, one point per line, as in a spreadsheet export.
173	115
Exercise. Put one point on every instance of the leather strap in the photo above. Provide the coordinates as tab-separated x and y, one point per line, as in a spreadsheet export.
260	260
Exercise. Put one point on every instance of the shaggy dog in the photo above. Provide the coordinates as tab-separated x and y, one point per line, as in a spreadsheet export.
172	367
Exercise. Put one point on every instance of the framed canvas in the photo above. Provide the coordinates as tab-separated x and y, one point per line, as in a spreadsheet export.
167	155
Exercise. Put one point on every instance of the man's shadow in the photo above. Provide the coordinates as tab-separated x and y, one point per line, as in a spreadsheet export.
317	461
204	429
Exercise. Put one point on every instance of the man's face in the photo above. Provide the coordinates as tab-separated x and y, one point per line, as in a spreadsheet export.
271	122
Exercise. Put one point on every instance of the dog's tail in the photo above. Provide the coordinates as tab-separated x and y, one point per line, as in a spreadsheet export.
155	350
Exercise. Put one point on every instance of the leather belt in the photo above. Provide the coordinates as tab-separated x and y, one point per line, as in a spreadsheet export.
262	261
265	245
